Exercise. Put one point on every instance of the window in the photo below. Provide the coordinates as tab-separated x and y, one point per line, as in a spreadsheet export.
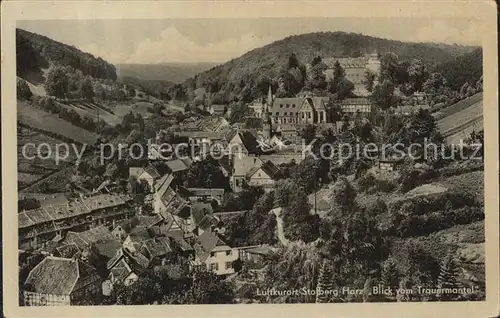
287	105
303	115
281	105
212	254
214	266
308	115
228	253
277	113
293	105
228	265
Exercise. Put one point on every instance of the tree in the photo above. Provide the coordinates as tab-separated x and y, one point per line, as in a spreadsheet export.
23	90
317	78
343	194
344	89
207	174
86	89
369	80
282	192
389	276
448	274
293	61
388	67
299	223
417	74
207	288
316	60
56	82
433	83
383	94
325	282
308	133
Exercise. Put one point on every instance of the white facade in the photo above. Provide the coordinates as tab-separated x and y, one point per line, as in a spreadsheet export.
221	259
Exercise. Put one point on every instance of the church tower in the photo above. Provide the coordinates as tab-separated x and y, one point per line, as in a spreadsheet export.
266	124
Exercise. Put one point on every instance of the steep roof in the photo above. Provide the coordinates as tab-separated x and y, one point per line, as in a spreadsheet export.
57	276
243	165
205	243
158	246
268	168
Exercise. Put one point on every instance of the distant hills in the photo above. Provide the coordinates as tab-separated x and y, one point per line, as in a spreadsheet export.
267	61
170	72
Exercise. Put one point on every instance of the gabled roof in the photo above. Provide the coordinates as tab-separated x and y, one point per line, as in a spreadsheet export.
57	276
157	247
178	237
268	168
243	165
317	103
205	243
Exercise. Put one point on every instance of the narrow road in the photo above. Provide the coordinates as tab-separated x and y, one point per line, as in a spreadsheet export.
279	227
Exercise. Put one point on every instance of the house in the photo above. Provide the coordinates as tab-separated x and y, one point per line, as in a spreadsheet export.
241	167
39	226
201	137
59	281
242	143
408	110
213	254
264	176
299	110
206	194
218	109
158	250
121	231
121	273
202	218
288	131
101	238
148	174
353	105
256	107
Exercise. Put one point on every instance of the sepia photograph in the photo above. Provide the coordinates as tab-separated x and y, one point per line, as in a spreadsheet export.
252	160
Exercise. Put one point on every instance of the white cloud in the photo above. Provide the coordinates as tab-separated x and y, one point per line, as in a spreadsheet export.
440	31
172	46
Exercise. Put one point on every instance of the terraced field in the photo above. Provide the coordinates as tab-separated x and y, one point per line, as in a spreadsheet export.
39	119
30	170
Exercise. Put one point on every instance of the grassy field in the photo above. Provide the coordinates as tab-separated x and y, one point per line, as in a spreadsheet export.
39	119
120	109
461	105
460	117
91	110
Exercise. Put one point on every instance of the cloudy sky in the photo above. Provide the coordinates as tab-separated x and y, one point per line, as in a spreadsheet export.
219	40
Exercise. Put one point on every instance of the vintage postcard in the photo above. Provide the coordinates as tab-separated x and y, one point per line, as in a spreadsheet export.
250	159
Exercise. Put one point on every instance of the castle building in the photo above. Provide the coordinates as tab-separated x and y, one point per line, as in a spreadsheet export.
355	69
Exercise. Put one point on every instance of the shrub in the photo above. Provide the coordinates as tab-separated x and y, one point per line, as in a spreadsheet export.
23	90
